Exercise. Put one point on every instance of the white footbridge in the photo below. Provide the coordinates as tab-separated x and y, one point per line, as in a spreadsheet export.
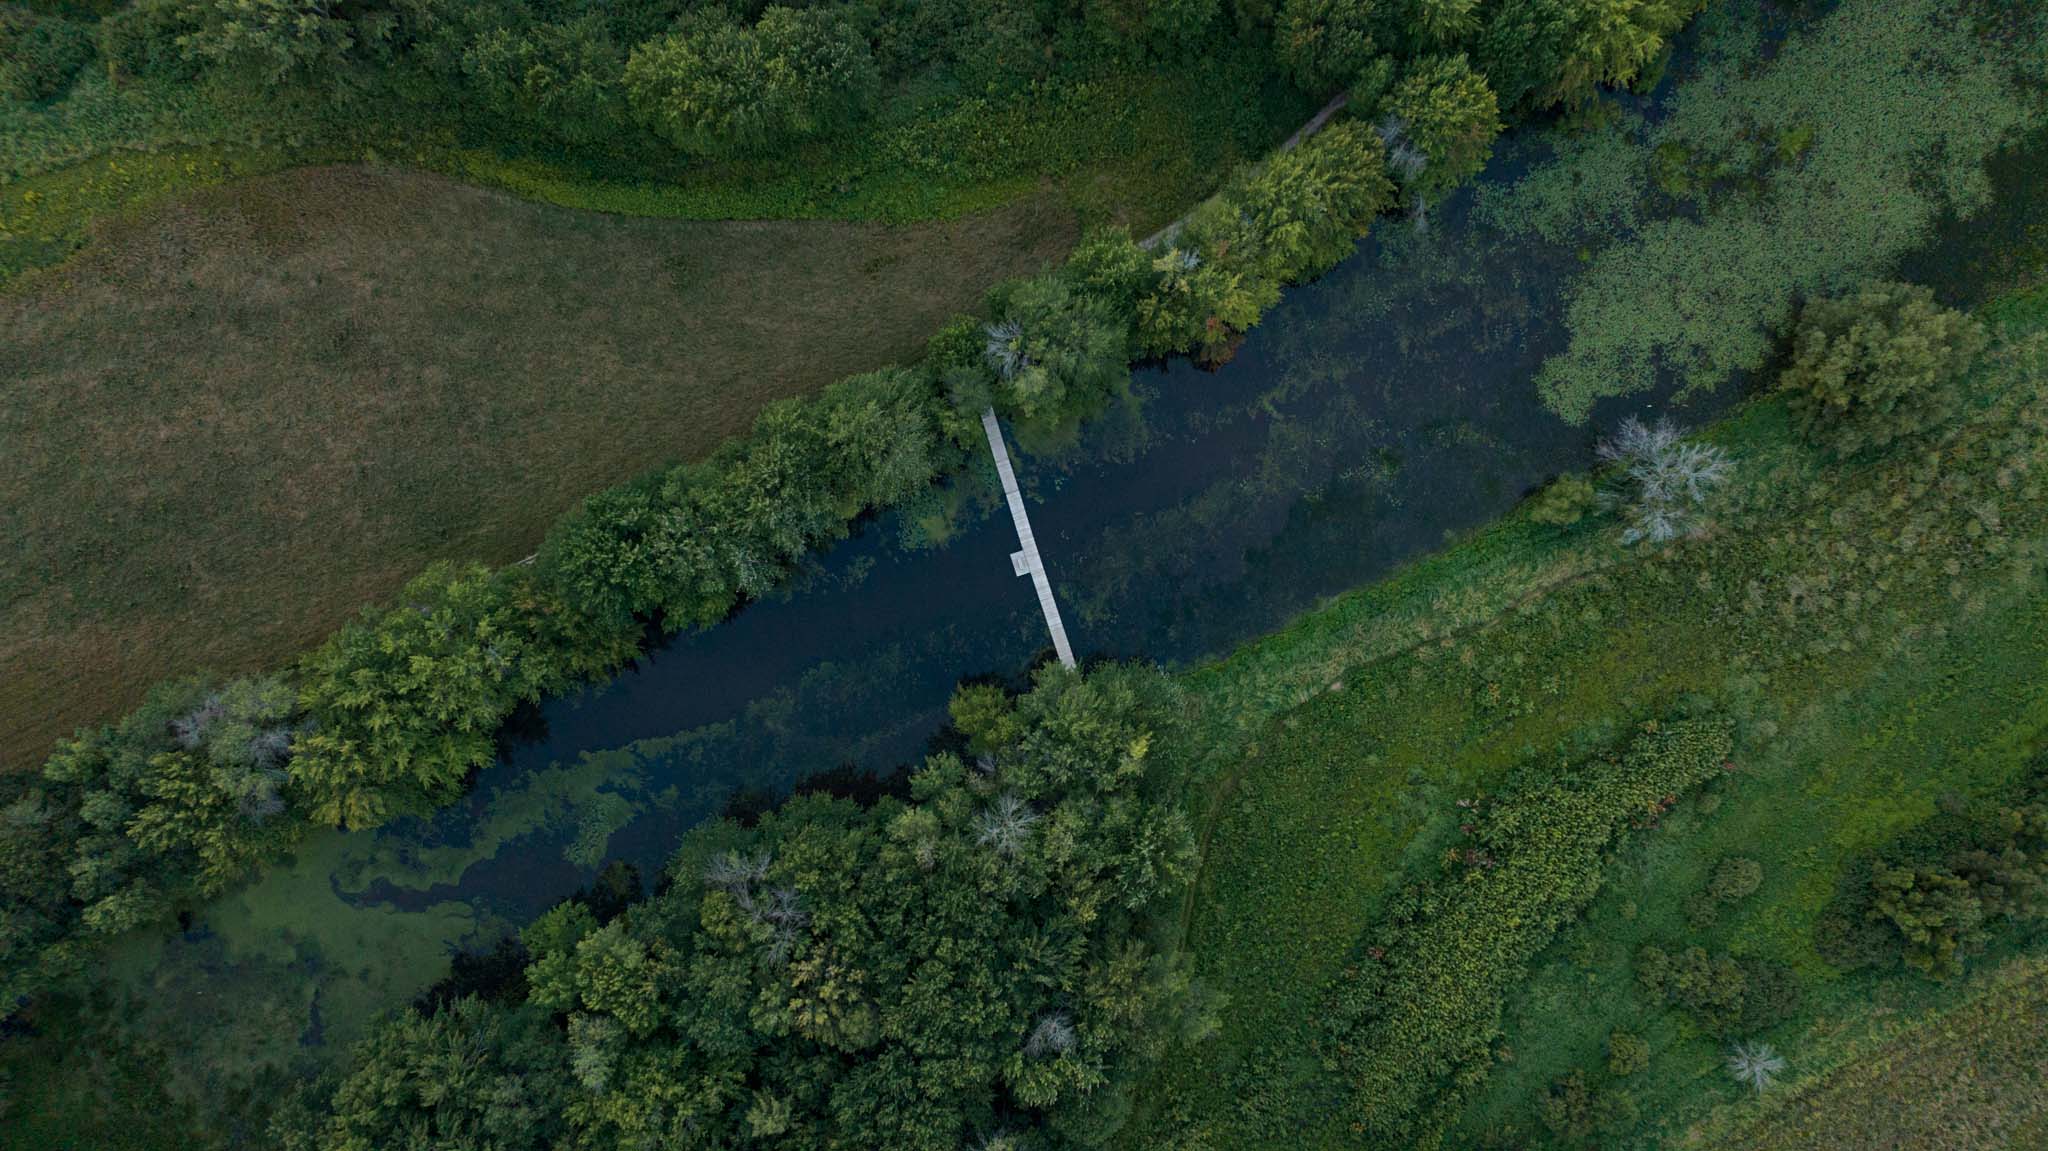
1025	560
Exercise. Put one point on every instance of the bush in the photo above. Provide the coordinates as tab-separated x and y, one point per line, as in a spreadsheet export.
1877	367
1626	1053
1734	878
39	55
1564	501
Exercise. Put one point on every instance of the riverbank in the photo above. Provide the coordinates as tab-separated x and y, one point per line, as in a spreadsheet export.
1873	629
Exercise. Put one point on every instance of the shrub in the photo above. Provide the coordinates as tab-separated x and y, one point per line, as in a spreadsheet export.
1734	878
1564	501
1879	366
1626	1053
39	55
1710	988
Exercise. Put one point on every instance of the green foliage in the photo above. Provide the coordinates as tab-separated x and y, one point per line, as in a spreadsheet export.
269	42
406	701
1420	1010
39	54
873	976
1292	219
469	1076
1878	366
1564	501
181	798
684	546
1626	1053
1732	880
1577	1112
1324	44
1611	42
565	79
716	86
1055	352
1450	114
1305	210
1724	995
1942	913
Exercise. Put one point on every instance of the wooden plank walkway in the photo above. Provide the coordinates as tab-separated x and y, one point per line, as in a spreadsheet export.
1025	561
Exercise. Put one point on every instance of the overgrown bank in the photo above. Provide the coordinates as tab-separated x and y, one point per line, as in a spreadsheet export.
1872	627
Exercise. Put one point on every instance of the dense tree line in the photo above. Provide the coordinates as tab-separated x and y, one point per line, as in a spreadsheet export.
942	970
702	78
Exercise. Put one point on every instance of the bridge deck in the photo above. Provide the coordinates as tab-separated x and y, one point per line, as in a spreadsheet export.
1026	561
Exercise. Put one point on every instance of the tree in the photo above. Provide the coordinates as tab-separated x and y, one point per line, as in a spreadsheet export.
882	976
1877	367
468	1077
565	78
407	700
1307	208
1325	44
1546	52
1055	353
1450	114
1755	1065
1660	480
716	86
1610	42
269	42
1626	1053
1199	306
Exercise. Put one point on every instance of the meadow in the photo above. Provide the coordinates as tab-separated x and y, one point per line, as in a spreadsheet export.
242	415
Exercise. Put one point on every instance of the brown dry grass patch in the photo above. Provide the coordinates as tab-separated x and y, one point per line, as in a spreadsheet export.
237	419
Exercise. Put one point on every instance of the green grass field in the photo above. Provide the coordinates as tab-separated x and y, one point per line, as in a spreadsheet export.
240	416
1877	631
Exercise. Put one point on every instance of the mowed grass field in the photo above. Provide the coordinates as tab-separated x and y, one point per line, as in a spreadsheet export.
239	417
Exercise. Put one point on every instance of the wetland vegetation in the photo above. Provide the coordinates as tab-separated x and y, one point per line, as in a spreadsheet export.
1699	798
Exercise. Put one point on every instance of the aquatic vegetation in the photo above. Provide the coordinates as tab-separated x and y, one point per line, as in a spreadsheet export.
1816	170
